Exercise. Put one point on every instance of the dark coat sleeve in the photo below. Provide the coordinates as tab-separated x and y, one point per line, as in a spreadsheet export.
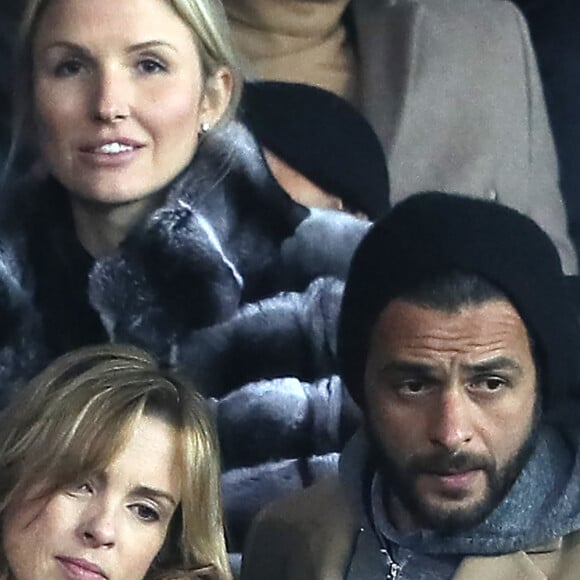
247	490
322	245
283	418
290	334
22	350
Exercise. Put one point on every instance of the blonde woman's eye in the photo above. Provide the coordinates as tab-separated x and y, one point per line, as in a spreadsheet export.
145	513
68	68
150	66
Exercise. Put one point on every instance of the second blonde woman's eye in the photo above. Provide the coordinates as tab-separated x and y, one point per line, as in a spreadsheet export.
145	512
80	488
85	487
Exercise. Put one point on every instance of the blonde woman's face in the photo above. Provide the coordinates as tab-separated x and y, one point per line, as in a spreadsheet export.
110	526
119	96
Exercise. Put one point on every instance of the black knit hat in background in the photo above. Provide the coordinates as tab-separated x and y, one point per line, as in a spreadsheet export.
431	234
321	136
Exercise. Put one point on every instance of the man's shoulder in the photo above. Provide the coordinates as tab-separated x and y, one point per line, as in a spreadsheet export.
560	561
557	560
308	535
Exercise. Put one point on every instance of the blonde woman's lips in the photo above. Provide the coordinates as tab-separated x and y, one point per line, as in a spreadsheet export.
110	153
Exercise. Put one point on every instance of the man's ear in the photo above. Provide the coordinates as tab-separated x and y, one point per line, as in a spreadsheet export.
217	96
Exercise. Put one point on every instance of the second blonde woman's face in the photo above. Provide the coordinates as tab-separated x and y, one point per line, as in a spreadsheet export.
109	526
119	96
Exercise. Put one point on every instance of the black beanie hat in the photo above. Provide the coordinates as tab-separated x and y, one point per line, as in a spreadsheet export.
432	234
321	136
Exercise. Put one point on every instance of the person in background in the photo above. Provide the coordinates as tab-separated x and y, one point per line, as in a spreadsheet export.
451	88
109	468
319	148
457	341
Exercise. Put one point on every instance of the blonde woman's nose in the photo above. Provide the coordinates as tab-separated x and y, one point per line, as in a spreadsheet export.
112	95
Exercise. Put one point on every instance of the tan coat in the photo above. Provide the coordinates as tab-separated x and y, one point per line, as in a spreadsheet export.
450	86
311	536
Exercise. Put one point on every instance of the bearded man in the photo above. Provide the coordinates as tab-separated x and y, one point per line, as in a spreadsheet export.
458	343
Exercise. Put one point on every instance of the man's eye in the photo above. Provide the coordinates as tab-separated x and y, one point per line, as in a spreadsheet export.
489	384
493	384
412	387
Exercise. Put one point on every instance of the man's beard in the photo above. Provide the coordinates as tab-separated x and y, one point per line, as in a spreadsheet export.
400	481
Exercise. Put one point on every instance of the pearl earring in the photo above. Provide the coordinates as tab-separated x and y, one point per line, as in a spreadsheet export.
205	127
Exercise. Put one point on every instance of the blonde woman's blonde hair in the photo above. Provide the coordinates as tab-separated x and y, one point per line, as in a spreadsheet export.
211	32
74	418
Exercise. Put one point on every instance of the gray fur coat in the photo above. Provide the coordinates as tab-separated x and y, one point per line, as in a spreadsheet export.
230	282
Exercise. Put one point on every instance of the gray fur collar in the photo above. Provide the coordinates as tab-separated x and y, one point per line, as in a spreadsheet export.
213	245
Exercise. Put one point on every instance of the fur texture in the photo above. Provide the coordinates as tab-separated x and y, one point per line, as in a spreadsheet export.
214	245
222	283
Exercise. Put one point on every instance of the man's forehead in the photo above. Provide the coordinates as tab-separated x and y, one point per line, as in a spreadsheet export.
474	341
420	310
489	323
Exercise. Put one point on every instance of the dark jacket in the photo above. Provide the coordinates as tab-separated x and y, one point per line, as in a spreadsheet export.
230	282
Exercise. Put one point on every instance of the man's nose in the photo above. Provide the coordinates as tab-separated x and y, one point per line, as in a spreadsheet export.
451	424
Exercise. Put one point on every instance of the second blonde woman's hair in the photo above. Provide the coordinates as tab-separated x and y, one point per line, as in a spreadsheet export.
77	415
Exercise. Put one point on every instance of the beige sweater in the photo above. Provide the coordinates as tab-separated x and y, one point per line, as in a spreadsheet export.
301	41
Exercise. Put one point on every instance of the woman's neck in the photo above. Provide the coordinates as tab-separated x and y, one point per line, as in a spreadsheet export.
102	227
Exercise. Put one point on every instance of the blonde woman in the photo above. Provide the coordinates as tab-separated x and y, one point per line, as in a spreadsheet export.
155	213
154	216
109	468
